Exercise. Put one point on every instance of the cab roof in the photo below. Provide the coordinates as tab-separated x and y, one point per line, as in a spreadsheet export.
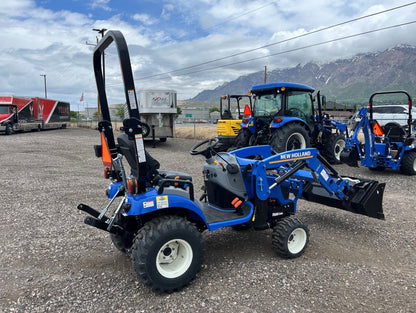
292	86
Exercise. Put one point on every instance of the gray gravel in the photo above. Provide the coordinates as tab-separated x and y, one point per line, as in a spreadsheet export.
53	262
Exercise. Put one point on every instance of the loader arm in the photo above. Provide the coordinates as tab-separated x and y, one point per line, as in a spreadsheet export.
319	182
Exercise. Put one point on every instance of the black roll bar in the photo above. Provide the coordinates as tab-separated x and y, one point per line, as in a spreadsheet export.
409	99
127	75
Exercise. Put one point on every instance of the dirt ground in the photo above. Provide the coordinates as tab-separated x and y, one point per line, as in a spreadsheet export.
52	262
196	131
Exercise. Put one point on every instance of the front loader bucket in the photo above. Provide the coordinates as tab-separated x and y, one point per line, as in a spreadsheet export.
365	197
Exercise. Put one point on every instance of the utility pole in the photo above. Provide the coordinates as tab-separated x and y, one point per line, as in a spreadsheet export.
44	82
100	31
265	74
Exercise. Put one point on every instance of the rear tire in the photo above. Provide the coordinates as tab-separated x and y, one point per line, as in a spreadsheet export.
243	138
290	237
290	137
168	253
408	165
333	146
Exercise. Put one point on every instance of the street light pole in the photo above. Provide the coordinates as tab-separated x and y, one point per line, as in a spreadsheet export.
100	31
44	81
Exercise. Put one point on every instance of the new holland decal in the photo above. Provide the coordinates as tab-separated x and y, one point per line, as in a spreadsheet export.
293	156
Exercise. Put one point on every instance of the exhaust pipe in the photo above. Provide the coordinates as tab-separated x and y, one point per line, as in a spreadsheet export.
365	197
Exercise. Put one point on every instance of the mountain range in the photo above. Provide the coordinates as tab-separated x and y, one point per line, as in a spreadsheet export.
348	81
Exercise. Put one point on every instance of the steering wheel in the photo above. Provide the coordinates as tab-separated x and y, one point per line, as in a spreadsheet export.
296	113
209	147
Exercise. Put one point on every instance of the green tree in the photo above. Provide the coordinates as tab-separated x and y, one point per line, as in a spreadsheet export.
120	111
178	112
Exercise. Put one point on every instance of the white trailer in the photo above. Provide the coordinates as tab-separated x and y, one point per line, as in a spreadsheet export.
157	110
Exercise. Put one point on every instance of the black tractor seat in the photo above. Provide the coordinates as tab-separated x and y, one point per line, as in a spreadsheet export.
153	174
394	132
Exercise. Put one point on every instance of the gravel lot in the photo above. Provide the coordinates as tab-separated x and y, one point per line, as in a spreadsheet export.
52	262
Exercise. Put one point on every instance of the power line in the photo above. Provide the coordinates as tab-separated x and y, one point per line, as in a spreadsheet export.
303	47
236	16
276	43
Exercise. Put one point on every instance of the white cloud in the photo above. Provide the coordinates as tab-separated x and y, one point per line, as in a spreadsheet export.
16	8
167	11
100	4
144	18
178	34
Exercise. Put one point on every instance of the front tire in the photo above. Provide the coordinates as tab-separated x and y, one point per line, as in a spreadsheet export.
168	253
408	166
290	137
290	237
333	146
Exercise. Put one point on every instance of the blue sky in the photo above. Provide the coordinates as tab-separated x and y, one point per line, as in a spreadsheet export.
55	38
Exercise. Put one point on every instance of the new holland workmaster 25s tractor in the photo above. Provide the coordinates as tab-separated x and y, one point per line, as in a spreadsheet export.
154	217
286	116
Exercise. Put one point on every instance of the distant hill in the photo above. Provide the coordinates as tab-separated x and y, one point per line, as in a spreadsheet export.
349	81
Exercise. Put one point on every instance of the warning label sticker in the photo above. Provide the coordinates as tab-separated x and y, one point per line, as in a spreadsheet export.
148	204
132	99
140	148
162	202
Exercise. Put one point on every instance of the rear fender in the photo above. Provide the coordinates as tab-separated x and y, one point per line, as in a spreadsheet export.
250	124
286	120
151	202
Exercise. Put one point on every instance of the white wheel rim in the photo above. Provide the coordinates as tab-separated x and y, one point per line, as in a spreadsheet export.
174	258
339	146
299	138
296	241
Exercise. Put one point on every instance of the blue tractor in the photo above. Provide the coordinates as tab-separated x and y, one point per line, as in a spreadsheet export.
285	117
386	142
153	215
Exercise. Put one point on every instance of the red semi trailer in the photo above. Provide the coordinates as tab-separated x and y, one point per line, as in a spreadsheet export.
32	113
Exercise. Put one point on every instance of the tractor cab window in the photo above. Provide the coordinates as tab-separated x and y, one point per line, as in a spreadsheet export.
299	104
268	105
